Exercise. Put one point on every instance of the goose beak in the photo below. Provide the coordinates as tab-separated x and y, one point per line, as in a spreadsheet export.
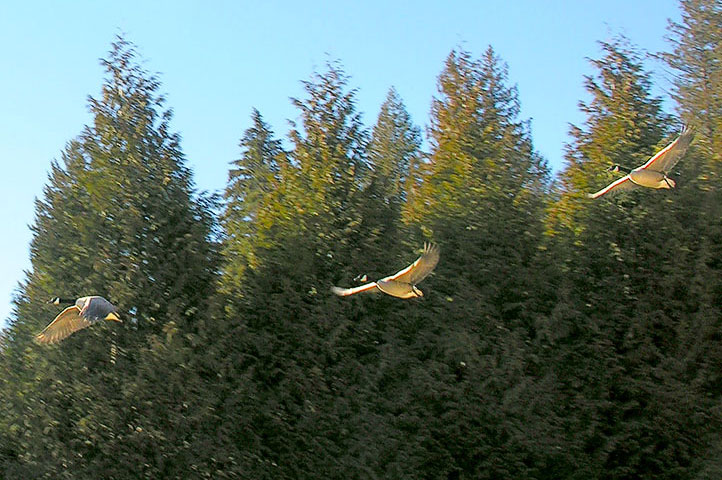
112	316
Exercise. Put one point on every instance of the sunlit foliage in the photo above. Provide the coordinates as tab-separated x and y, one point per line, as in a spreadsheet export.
559	337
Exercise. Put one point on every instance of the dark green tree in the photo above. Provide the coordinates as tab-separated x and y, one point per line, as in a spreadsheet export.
293	401
484	189
619	326
467	361
393	150
696	61
329	154
119	219
590	352
624	124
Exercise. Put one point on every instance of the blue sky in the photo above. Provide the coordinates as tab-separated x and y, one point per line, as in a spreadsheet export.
218	60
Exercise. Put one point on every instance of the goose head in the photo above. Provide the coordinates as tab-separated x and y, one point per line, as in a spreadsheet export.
619	168
361	278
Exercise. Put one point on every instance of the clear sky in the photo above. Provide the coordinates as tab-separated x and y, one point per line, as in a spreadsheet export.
219	59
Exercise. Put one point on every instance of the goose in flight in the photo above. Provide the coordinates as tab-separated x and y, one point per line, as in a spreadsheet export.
652	174
402	284
84	312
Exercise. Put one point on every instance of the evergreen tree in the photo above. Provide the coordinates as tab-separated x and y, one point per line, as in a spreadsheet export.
118	219
618	328
589	352
468	360
696	55
695	59
393	150
329	153
252	180
484	189
624	124
394	146
294	367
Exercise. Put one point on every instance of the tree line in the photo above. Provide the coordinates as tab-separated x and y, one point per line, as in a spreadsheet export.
558	338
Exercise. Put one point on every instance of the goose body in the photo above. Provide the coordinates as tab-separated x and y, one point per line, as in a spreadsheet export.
84	312
653	174
402	284
651	179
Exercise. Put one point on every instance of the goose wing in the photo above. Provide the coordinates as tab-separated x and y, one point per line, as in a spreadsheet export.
345	292
66	323
622	185
420	269
668	157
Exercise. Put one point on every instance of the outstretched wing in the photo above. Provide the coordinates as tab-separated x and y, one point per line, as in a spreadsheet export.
420	269
345	292
668	157
66	323
622	185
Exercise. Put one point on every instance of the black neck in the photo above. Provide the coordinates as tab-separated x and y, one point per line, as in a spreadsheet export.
63	301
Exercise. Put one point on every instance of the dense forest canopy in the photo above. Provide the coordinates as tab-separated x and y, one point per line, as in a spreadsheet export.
559	336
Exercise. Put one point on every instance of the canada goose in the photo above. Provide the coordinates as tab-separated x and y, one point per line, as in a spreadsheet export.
84	312
652	174
403	283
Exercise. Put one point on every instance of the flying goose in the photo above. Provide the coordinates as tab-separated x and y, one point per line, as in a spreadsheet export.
402	284
84	312
652	174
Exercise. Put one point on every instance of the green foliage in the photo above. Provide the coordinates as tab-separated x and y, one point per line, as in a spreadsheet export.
559	337
118	219
626	300
251	181
393	151
393	148
625	125
695	58
481	199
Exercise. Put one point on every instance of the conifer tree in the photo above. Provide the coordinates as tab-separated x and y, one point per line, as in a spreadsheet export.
295	360
481	198
696	43
252	180
118	219
620	317
393	150
484	187
329	152
695	60
393	147
624	124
